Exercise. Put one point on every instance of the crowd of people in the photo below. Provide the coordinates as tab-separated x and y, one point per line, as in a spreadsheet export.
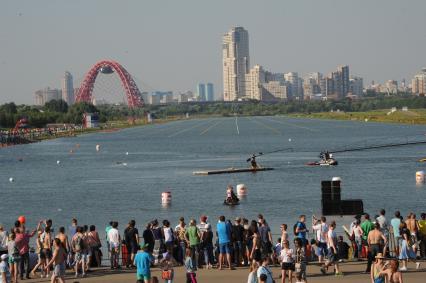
229	244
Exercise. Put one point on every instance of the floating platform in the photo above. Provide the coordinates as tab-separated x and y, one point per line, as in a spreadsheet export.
232	170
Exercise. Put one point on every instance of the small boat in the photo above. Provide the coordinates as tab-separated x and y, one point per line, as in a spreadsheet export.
232	170
328	162
422	160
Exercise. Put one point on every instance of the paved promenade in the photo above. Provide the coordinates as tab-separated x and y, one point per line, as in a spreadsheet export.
353	274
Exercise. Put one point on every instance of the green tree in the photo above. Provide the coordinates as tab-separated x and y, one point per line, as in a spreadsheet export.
56	106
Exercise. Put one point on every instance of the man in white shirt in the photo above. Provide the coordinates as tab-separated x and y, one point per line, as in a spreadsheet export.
321	229
114	241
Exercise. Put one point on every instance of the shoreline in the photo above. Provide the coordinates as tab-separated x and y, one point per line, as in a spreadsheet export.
409	117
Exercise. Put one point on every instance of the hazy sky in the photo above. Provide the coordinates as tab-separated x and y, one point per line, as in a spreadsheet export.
172	45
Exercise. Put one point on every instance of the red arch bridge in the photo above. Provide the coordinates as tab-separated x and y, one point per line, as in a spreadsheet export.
133	95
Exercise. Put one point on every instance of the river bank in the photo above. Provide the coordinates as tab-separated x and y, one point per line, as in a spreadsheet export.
413	117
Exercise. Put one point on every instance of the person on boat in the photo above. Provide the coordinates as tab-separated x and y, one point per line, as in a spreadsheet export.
230	195
253	162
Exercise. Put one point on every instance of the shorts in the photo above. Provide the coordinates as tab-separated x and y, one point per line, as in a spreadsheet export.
331	257
59	270
322	249
114	246
85	256
287	266
143	277
77	256
14	259
224	248
45	253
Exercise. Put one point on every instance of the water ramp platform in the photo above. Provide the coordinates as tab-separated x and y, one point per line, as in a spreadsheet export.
232	170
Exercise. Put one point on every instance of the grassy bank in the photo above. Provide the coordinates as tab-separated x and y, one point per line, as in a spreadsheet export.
415	116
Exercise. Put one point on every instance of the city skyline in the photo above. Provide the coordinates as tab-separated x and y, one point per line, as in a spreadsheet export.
372	45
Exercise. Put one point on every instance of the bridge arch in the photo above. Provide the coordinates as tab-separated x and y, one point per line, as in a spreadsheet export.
133	95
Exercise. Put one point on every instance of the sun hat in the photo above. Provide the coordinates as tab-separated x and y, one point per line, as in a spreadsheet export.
4	256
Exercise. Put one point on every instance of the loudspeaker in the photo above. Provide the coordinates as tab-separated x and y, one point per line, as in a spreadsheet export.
352	207
331	207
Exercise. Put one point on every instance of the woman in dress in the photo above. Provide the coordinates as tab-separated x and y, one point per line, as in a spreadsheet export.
407	252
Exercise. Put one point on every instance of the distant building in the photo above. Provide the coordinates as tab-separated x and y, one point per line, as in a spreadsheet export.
254	80
201	92
236	63
185	97
418	83
343	72
209	92
391	87
312	85
67	88
295	85
160	97
274	90
337	83
45	95
356	86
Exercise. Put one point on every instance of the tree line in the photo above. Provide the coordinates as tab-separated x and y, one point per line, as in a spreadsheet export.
57	111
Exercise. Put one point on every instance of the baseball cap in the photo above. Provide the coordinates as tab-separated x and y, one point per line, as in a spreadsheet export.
4	256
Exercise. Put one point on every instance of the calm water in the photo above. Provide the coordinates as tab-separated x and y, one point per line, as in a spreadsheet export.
92	187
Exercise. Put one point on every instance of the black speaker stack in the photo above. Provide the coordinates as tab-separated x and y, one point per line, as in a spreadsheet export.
332	203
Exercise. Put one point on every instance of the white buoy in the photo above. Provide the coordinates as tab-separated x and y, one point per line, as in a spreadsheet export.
58	162
59	209
98	147
124	164
127	153
289	140
11	180
420	177
166	197
241	190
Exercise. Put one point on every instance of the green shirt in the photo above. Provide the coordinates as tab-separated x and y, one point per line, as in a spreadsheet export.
194	238
366	227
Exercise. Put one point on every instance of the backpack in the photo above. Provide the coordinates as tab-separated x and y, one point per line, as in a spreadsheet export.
79	244
295	228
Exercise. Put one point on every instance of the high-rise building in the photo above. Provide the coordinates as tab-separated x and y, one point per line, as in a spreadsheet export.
274	90
236	63
296	85
356	86
344	80
45	95
254	80
68	88
209	92
418	83
201	92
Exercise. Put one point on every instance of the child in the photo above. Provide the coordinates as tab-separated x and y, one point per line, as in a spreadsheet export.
14	257
277	251
314	248
167	272
190	269
342	249
4	269
299	278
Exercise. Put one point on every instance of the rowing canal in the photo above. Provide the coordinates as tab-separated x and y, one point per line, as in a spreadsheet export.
95	187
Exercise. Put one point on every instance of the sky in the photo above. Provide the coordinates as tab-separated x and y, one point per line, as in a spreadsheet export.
173	45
